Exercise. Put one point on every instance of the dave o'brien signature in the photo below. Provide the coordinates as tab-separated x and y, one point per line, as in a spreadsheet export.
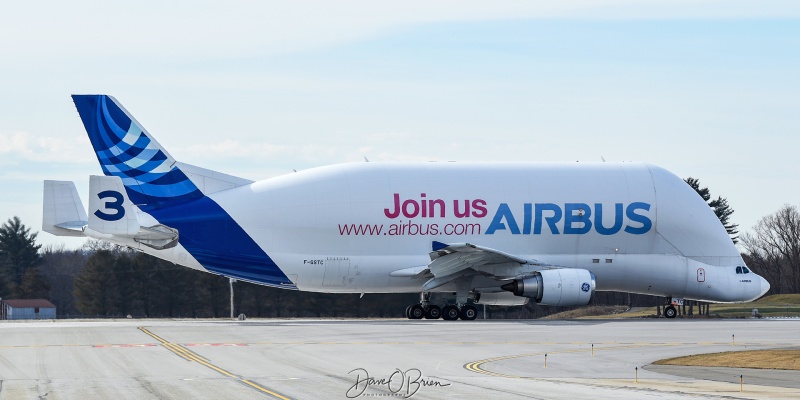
400	383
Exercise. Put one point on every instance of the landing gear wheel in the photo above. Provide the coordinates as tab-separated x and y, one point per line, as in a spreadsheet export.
407	314
670	311
416	311
450	313
433	312
468	313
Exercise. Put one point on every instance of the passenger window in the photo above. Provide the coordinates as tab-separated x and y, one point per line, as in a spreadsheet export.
738	270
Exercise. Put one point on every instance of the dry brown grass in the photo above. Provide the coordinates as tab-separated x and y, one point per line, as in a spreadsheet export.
762	359
588	312
780	305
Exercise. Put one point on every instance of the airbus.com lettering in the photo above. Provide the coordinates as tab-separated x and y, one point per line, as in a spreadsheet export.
467	217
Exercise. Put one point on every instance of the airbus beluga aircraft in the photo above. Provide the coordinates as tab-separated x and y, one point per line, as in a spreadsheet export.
484	233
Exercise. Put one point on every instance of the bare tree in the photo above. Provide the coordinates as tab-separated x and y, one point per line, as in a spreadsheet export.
774	245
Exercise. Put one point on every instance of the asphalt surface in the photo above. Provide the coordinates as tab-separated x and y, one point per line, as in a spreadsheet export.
751	376
179	359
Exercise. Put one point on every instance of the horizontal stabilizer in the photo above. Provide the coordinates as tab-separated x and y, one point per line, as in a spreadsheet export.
63	212
209	181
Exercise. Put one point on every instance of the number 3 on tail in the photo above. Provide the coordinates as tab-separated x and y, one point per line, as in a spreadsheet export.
115	205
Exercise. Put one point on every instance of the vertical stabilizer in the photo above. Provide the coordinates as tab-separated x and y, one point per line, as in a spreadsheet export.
126	150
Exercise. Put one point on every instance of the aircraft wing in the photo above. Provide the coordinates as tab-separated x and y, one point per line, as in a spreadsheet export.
452	261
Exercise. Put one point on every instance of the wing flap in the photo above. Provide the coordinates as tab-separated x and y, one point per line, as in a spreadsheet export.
410	272
450	259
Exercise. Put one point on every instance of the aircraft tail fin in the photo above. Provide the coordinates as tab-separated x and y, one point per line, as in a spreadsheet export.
63	212
151	176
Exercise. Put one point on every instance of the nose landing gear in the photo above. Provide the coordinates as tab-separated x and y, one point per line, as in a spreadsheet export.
670	311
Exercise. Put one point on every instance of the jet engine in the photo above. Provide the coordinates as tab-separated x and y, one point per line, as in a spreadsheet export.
555	287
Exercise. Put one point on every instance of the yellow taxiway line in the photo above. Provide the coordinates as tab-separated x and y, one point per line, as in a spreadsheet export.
192	356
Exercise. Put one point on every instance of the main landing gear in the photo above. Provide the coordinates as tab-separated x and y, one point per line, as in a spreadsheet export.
451	312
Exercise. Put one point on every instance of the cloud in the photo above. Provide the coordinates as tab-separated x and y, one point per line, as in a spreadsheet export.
25	146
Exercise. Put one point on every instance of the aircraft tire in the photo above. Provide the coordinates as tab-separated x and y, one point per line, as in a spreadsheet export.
408	314
415	311
433	312
670	312
450	313
468	313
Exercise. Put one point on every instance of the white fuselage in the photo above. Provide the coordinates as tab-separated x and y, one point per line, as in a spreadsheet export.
345	228
467	228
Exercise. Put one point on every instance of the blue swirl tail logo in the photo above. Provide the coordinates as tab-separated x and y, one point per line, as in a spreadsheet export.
126	150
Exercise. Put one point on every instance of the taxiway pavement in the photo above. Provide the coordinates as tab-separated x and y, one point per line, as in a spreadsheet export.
305	359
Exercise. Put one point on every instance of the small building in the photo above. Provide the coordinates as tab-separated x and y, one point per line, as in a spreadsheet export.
27	309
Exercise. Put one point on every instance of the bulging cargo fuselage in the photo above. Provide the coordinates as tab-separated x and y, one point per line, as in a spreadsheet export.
491	233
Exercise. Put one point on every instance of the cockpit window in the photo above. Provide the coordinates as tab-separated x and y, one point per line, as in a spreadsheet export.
746	271
738	270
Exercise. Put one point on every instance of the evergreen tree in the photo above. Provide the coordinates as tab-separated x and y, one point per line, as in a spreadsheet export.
724	211
60	267
34	285
695	184
144	282
720	206
174	289
123	269
95	286
18	253
5	285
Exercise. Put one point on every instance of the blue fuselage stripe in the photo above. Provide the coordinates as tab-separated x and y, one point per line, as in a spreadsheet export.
218	242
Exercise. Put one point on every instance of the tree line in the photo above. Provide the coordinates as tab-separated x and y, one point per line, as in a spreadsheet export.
103	280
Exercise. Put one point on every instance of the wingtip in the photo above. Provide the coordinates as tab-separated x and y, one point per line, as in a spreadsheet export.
436	246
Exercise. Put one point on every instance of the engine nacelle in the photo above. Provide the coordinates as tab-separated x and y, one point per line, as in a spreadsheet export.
555	287
500	299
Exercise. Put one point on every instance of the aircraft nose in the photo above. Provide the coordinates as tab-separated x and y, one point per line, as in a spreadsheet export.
764	286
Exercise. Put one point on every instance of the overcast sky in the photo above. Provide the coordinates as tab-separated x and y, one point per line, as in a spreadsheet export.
709	89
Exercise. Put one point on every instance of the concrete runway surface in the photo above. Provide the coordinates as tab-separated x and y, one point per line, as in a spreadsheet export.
310	359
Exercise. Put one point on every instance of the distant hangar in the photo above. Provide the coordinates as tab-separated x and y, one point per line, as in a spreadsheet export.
27	309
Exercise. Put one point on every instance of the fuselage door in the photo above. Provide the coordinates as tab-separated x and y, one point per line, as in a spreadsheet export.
337	270
701	275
